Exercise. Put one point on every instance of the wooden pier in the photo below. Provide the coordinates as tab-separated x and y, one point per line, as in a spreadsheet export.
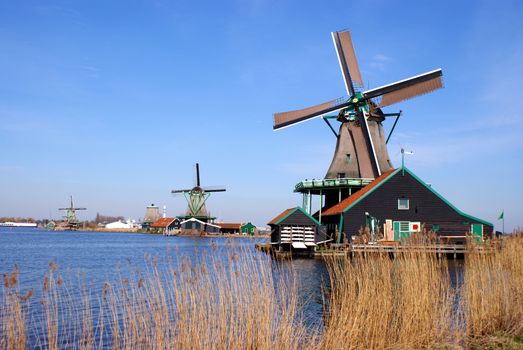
448	250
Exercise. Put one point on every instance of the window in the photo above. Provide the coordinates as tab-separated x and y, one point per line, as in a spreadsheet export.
403	204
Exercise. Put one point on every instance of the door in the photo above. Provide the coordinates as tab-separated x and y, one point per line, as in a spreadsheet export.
401	230
477	232
396	228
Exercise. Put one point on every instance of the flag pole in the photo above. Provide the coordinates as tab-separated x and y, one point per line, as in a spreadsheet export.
503	221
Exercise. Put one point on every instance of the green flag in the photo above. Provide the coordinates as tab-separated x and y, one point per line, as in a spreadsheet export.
501	215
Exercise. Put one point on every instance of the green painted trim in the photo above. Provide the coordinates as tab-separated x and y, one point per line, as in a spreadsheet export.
426	186
292	212
340	229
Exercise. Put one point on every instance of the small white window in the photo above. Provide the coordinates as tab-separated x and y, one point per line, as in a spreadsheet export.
403	204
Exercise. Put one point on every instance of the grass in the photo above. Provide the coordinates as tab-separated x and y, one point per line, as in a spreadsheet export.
243	302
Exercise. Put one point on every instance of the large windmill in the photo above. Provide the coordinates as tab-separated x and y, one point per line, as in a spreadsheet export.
196	198
361	150
71	221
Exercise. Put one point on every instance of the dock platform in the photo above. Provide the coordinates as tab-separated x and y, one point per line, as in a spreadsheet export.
449	250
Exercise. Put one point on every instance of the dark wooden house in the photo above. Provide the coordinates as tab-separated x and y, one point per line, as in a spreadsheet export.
399	203
166	225
195	227
294	228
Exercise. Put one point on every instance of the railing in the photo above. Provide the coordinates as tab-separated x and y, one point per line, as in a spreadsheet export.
430	248
345	181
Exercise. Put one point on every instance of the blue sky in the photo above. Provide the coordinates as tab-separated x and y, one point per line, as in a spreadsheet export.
114	101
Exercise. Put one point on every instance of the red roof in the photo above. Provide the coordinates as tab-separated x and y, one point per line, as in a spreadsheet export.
341	206
275	220
228	225
163	222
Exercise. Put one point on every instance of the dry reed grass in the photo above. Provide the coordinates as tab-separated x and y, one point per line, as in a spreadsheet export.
493	292
233	303
383	303
375	302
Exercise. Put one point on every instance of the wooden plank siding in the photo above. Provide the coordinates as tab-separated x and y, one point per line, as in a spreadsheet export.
424	206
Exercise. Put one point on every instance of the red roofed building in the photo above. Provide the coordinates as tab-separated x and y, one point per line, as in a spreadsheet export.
166	225
229	228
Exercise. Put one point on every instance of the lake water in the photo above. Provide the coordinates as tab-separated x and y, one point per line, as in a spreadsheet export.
98	257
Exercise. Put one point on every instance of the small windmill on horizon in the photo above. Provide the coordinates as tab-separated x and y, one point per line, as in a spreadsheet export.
70	219
196	198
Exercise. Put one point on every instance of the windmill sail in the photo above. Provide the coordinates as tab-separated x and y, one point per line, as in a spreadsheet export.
406	89
182	191
347	59
213	189
197	174
284	119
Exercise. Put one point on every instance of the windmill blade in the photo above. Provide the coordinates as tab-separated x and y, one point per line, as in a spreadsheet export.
181	191
347	59
197	174
285	119
406	89
213	189
79	208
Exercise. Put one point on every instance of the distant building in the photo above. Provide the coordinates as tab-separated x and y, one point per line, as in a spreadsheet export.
236	228
248	229
119	225
196	227
166	225
152	214
229	228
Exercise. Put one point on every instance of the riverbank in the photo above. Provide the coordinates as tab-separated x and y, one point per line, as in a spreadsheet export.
137	230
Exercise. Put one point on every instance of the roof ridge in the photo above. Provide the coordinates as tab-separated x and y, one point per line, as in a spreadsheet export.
338	208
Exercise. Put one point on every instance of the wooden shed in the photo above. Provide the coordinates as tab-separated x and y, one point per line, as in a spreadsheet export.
248	229
399	203
294	228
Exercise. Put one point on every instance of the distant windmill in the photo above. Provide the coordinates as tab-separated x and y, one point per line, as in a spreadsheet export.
196	198
361	150
70	217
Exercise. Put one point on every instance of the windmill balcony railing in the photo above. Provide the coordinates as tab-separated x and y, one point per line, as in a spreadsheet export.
325	183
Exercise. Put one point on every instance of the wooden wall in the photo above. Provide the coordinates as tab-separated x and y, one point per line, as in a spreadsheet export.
425	207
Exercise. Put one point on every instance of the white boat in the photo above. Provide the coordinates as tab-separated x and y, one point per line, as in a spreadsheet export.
17	224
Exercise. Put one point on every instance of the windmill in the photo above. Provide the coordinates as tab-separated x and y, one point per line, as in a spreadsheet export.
361	153
196	198
70	218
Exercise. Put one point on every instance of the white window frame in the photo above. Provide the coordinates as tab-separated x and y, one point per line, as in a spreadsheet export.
403	208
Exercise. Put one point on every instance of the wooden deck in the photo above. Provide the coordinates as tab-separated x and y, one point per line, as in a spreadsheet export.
448	250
